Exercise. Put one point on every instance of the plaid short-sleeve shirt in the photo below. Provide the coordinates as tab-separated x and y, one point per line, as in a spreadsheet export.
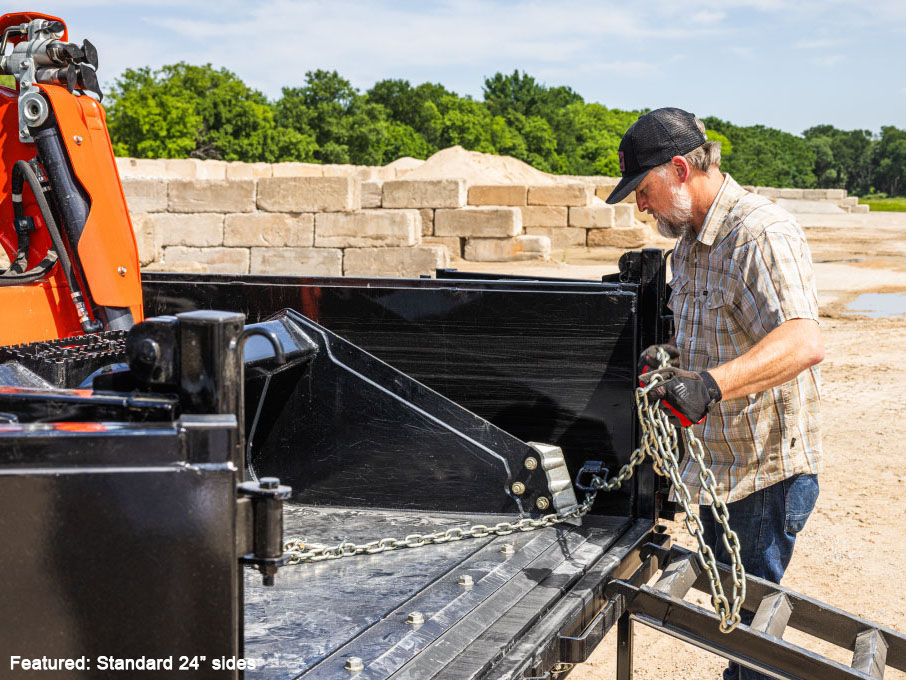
748	271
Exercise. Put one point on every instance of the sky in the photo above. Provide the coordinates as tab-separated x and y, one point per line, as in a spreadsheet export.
772	62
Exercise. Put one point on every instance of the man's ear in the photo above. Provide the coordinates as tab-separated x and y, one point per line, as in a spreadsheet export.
681	167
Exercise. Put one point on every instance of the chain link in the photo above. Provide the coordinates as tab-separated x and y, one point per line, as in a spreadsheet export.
660	440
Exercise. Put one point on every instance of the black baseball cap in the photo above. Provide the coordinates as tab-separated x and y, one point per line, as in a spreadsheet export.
653	139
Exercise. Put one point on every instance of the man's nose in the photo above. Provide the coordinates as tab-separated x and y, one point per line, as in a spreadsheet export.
641	202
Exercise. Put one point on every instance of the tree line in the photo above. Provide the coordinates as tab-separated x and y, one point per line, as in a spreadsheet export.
188	111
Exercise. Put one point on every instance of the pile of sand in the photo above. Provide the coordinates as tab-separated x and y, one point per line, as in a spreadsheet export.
406	164
478	168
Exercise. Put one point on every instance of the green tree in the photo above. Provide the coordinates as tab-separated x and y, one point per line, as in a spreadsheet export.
766	156
890	161
197	111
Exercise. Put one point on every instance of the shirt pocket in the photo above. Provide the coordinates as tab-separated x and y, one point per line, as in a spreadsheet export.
716	327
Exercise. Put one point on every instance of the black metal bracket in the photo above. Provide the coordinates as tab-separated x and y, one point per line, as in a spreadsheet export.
260	513
585	476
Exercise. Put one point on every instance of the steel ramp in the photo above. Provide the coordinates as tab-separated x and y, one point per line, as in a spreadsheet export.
759	645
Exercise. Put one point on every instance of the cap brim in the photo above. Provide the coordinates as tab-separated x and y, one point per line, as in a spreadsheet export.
627	184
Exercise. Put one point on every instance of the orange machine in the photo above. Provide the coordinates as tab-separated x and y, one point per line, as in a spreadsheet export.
63	219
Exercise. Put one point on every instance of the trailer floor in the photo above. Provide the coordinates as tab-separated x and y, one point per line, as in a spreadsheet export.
317	615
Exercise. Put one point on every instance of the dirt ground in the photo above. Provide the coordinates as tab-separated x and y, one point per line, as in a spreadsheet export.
852	550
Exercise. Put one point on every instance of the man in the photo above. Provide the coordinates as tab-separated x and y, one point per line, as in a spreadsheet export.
744	369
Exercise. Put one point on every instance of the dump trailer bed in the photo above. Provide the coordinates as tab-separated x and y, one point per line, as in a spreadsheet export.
130	498
475	598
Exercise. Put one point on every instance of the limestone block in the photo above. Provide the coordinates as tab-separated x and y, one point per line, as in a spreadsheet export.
749	187
302	261
269	229
623	215
593	216
814	194
836	194
545	216
142	167
309	194
477	221
394	262
196	229
377	173
368	228
145	195
508	249
297	170
146	238
453	244
371	194
861	208
430	193
197	196
427	215
768	192
619	237
211	170
790	193
630	198
850	201
240	170
217	260
560	237
340	169
602	191
497	194
560	194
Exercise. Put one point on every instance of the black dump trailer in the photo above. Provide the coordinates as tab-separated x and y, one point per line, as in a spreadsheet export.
284	477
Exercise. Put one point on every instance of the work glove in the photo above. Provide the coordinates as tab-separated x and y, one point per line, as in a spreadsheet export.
685	394
648	360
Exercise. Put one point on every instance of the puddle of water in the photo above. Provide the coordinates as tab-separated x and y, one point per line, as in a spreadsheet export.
878	305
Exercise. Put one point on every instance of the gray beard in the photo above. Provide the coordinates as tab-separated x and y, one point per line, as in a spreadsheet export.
677	223
674	229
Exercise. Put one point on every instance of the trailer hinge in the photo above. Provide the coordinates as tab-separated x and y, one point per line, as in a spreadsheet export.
259	522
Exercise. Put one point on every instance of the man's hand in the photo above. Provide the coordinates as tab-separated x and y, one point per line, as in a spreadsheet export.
648	360
686	394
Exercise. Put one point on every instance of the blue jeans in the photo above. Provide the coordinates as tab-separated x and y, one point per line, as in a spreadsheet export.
766	523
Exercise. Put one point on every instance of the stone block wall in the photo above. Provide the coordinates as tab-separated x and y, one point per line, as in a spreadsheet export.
335	220
301	218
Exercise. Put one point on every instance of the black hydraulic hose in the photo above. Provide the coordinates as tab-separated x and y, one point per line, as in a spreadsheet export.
88	324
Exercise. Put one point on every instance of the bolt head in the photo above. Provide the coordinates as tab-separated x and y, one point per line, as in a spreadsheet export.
542	503
518	488
531	463
121	271
354	664
465	580
77	139
269	483
415	619
508	549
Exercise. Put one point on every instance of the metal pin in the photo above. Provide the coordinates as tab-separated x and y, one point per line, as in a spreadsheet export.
415	618
507	549
121	271
78	140
465	580
531	463
543	503
518	488
354	664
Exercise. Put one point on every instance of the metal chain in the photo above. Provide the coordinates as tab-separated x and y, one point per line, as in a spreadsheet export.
660	440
